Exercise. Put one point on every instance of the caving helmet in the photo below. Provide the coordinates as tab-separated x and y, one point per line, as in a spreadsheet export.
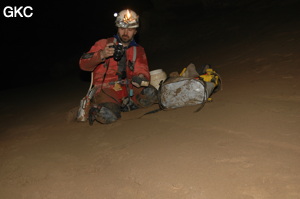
127	19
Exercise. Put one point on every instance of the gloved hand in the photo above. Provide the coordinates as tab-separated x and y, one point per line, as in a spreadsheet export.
139	81
107	51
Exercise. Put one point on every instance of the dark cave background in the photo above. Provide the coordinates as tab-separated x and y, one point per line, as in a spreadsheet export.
48	45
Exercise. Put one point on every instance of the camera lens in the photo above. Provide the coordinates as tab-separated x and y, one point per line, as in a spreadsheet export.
119	51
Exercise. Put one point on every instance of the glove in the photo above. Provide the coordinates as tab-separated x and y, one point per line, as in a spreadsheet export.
139	81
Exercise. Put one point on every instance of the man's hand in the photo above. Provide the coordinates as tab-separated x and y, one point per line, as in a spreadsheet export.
107	51
139	81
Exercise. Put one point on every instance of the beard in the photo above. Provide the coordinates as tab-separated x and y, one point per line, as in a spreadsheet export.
125	39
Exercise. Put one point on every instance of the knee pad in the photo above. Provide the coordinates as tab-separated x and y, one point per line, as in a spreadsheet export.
113	107
106	116
149	91
148	96
105	113
128	105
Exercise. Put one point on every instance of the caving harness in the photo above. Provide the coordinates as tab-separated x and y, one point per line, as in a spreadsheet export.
122	82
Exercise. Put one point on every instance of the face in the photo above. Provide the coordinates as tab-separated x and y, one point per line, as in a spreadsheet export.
126	34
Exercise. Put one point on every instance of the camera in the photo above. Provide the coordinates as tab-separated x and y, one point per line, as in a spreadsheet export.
119	51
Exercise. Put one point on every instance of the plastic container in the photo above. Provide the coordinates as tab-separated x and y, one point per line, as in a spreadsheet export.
157	76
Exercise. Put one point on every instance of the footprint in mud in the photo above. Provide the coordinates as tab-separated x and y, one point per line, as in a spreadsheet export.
254	192
186	191
243	162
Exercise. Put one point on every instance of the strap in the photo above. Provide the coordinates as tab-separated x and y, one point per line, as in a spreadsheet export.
132	63
150	112
134	54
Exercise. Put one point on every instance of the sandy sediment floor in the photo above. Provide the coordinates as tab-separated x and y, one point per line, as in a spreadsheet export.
243	145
